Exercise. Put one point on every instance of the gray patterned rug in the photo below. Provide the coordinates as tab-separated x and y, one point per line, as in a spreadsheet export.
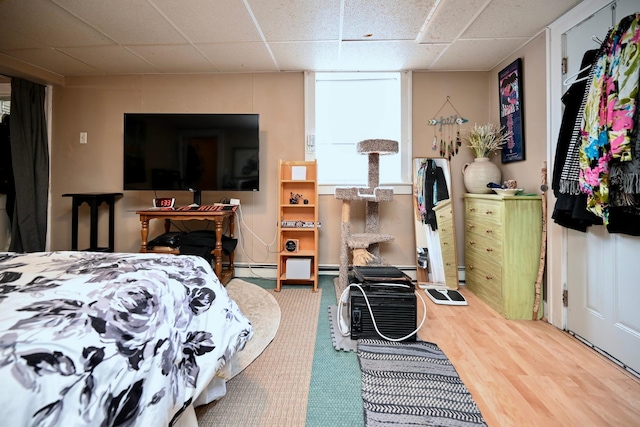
413	383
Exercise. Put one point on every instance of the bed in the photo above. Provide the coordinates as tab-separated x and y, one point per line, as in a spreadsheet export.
105	339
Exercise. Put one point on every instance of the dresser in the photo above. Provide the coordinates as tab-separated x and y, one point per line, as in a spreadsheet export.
502	251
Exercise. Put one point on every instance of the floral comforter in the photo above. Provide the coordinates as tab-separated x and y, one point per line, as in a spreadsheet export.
103	339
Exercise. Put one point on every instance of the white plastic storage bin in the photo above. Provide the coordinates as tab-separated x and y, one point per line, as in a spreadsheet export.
298	268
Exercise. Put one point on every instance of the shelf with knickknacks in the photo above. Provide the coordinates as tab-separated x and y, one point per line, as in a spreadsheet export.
294	199
298	225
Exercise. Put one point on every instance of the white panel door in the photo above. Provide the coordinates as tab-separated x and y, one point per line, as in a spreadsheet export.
603	279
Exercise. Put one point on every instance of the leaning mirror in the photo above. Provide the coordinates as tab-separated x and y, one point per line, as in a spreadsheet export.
436	255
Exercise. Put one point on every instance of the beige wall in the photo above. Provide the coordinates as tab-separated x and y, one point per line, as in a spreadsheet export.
534	72
469	94
96	105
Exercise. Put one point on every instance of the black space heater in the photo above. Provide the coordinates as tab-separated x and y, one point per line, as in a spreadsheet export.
392	298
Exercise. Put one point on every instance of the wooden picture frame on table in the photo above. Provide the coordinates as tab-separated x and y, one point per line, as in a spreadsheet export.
511	113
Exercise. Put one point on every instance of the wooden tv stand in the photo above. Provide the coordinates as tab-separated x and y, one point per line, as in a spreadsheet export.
203	213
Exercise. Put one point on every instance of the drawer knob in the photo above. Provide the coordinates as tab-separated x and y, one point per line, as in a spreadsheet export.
471	242
472	209
489	249
489	277
471	267
471	226
489	212
489	231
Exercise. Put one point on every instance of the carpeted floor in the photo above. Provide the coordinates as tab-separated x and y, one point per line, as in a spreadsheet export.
274	389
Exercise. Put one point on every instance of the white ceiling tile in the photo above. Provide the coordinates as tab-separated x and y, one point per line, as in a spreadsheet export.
54	61
385	56
477	55
211	36
239	57
125	21
385	20
498	19
174	58
48	23
15	40
423	56
298	20
449	19
317	56
111	59
211	21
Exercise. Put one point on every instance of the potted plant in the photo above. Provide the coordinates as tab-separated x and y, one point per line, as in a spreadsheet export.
483	140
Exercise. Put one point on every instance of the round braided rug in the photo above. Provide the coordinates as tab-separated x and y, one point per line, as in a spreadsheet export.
262	309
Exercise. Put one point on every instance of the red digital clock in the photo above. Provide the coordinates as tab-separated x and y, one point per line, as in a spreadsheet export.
164	202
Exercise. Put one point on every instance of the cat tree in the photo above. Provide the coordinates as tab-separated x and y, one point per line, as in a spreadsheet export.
364	246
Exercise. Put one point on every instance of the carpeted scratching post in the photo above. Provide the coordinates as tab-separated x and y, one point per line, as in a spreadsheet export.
365	246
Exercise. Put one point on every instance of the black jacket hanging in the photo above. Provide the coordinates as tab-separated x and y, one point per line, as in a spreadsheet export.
569	210
435	189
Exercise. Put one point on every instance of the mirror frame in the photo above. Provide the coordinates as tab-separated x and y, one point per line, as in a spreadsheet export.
444	239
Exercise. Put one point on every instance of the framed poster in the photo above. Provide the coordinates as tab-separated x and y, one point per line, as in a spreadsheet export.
511	117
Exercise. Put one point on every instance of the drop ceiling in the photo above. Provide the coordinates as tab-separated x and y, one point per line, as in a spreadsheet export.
118	37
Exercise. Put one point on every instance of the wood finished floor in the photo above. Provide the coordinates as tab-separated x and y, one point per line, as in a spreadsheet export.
529	373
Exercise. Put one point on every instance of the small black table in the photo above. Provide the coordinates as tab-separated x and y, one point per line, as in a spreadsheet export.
94	200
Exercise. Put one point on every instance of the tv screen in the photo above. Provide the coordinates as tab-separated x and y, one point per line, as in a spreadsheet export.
195	152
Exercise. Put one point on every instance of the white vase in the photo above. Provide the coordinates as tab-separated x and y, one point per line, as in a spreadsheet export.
479	173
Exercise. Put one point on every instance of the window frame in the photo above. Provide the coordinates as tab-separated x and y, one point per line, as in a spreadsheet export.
405	143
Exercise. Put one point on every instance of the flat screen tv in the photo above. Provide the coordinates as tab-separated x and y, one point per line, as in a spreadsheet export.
194	152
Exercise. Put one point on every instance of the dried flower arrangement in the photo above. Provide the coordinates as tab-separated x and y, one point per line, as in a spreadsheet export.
485	139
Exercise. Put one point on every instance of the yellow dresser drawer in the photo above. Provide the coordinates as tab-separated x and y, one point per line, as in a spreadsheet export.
488	245
487	271
485	290
484	229
484	211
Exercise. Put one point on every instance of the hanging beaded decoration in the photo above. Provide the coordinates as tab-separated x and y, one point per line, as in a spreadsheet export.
448	125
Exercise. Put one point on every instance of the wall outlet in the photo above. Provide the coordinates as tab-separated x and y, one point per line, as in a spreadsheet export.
234	201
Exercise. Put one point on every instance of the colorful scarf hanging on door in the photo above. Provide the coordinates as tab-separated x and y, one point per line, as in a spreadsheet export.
608	119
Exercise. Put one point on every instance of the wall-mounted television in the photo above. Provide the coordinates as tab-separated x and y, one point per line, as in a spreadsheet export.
194	152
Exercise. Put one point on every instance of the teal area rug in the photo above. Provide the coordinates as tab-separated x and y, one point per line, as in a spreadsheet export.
413	384
334	395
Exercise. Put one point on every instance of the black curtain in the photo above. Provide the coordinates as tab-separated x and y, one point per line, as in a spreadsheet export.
30	160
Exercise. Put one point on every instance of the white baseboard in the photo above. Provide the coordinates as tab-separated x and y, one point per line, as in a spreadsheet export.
270	271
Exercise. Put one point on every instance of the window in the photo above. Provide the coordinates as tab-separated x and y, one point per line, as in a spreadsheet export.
343	109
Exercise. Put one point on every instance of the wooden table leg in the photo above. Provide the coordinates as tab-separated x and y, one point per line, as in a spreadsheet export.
144	232
232	227
217	253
